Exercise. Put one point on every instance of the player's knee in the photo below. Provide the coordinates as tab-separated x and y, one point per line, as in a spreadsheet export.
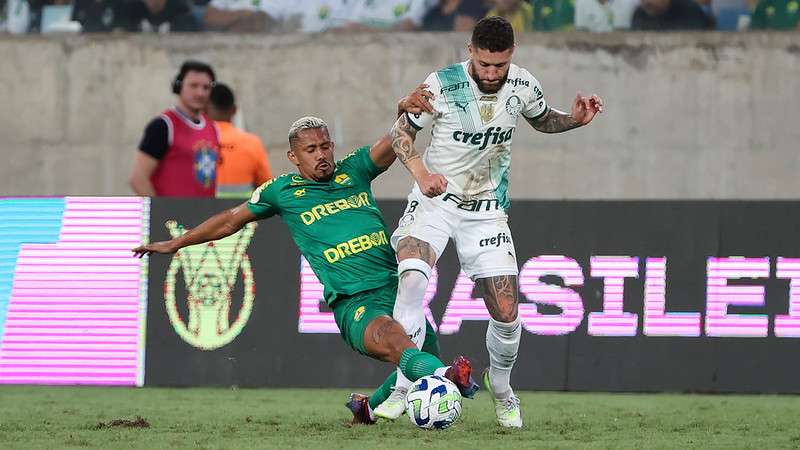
506	311
386	339
411	247
506	316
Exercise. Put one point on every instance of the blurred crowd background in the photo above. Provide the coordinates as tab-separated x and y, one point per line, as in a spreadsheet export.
316	16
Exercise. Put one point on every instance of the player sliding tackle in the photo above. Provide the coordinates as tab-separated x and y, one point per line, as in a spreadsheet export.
331	214
461	193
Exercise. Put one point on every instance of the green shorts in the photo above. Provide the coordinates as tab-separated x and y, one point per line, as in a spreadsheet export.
354	312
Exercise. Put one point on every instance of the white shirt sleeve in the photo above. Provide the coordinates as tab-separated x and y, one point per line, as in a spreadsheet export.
535	104
420	121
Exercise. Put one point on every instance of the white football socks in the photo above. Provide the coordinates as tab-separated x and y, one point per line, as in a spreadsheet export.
502	342
413	277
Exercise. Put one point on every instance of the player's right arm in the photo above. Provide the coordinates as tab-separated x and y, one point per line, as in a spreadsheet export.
417	102
262	204
402	135
216	227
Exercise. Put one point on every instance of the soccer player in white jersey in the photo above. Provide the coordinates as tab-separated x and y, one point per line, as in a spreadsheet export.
461	193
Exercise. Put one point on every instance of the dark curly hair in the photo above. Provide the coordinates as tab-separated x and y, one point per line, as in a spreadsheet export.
494	34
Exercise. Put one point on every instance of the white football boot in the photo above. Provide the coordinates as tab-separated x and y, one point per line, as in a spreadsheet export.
508	411
394	406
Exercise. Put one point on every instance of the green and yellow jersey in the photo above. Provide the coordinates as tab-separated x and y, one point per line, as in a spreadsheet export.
335	224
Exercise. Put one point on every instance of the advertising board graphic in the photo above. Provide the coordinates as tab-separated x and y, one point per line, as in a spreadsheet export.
72	299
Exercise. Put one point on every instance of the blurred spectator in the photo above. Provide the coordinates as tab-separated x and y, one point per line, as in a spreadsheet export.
99	16
176	13
705	5
179	151
239	15
199	12
454	15
18	16
667	15
54	11
397	15
126	15
518	12
732	15
776	15
553	15
243	159
604	15
313	16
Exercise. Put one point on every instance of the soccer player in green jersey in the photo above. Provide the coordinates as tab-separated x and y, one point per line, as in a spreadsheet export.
331	214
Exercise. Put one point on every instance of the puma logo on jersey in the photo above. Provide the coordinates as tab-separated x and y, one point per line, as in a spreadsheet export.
492	135
462	106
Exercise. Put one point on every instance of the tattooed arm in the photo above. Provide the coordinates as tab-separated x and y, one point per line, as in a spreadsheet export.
583	111
403	135
554	121
417	102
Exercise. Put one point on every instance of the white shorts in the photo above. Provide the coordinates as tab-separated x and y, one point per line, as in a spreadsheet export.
482	238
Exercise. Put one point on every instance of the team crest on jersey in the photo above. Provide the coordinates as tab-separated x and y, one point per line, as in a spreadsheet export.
205	163
513	105
487	112
343	179
406	220
299	192
359	313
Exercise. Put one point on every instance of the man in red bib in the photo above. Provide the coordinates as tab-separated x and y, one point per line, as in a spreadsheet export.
179	152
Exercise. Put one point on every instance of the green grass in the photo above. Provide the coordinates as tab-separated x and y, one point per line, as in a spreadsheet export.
200	418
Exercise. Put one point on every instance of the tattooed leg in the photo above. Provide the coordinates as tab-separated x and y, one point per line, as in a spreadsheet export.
504	331
411	247
500	296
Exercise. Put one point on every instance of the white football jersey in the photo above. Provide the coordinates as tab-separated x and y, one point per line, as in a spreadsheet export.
472	130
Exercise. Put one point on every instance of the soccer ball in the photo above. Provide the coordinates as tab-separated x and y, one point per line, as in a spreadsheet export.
433	402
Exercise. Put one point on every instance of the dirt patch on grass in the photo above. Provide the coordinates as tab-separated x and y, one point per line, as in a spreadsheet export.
140	422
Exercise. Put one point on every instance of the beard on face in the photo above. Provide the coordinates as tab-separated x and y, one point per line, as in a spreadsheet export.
489	89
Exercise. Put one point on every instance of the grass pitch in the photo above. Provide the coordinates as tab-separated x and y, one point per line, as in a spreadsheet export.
200	418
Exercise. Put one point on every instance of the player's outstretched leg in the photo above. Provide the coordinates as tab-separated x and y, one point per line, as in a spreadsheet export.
502	342
393	405
385	339
416	258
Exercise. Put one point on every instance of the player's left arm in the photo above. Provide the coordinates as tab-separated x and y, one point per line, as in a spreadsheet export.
418	101
583	111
